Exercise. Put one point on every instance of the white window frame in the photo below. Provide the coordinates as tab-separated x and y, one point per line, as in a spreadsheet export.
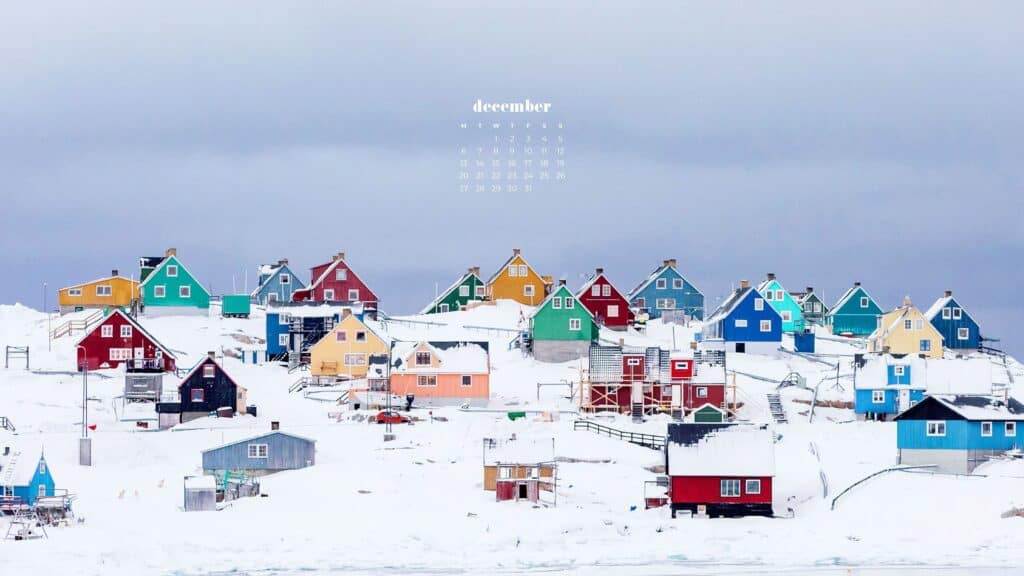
513	271
864	302
919	324
528	290
729	488
661	284
125	331
284	278
878	396
740	323
752	486
766	326
159	291
759	304
353	294
443	307
925	345
104	290
481	291
1010	429
360	335
575	325
106	331
42	467
341	336
963	333
209	371
947	313
632	361
986	426
192	395
677	283
570	303
702	392
899	370
606	290
464	291
682	365
329	294
958	313
74	291
523	272
936	428
340	274
41	491
640	302
787	316
172	271
556	302
595	290
780	295
258	451
282	339
184	291
769	296
355	359
612	311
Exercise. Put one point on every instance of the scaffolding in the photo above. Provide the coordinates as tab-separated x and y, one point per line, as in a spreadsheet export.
15	352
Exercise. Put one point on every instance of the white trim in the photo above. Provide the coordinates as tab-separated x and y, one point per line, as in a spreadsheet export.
328	294
759	304
106	331
282	339
556	303
575	325
108	292
125	331
184	291
963	333
726	488
752	482
987	425
740	323
935	428
353	294
160	291
878	396
74	291
340	274
570	303
258	451
766	326
865	302
172	270
1010	429
661	284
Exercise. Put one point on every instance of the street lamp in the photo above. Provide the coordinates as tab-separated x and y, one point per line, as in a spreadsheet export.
84	443
49	325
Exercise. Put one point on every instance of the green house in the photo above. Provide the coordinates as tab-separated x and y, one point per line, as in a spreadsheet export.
468	288
813	306
561	329
856	313
783	303
169	288
708	413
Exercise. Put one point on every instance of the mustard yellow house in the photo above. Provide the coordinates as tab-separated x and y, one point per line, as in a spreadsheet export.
517	280
348	350
113	291
905	330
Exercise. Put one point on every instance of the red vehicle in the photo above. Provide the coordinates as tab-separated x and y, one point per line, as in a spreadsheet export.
392	417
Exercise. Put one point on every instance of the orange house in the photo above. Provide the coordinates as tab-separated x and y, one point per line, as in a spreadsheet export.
442	373
114	291
517	280
347	350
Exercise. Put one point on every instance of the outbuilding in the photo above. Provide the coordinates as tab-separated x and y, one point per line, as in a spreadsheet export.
260	455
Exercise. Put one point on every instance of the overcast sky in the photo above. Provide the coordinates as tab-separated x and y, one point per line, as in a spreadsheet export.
824	141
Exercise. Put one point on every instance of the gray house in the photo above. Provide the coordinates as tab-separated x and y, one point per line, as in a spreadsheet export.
261	455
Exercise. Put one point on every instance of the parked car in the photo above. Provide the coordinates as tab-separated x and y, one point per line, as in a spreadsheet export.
392	417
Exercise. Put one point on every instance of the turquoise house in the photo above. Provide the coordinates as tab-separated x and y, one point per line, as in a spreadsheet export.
277	282
780	299
24	476
856	313
167	287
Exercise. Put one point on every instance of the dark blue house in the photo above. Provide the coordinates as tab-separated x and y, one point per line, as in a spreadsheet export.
957	434
885	386
665	293
299	327
276	283
744	323
959	330
24	475
265	454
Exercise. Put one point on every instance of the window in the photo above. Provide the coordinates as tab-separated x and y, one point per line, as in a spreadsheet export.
120	354
919	324
640	302
595	290
947	313
42	489
283	319
606	290
613	311
126	331
730	488
481	291
353	294
464	291
753	486
908	324
935	428
778	295
159	291
341	336
505	472
769	295
106	331
677	283
360	336
285	278
766	325
556	302
528	290
42	468
258	450
185	291
423	358
272	297
74	292
522	270
574	324
513	271
209	371
103	290
863	301
569	303
341	274
282	340
702	392
426	380
172	271
197	395
632	362
443	307
958	313
758	304
665	304
1011	429
926	345
741	322
899	370
986	428
878	396
329	294
661	284
467	380
682	365
787	316
355	359
963	333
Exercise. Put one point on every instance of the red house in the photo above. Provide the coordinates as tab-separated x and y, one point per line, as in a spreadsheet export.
120	339
335	281
609	307
720	469
702	382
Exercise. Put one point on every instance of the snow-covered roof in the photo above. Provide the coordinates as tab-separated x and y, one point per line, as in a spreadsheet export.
200	483
849	294
654	276
518	451
444	294
19	467
320	310
556	291
164	262
128	317
104	279
982	408
734	299
202	362
941	303
257	437
454	357
724	450
959	376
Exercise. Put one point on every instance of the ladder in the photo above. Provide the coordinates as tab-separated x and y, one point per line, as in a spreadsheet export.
776	408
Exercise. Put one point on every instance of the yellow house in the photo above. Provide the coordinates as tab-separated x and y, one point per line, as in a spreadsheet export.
346	350
517	280
114	291
906	331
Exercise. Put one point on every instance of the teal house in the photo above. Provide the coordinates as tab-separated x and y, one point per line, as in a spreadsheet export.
562	328
167	287
855	314
468	288
780	299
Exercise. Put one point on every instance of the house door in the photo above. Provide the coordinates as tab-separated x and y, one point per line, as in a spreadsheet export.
904	400
524	491
741	347
140	353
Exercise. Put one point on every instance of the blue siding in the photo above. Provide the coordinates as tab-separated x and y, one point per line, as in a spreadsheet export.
949	328
960	435
309	324
28	493
863	401
893	379
284	452
688	298
273	285
728	331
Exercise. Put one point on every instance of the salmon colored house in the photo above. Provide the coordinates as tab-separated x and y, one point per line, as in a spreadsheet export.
442	373
517	280
114	291
346	350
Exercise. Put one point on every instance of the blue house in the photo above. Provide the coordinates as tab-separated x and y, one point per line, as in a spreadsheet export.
884	386
856	313
299	327
276	283
260	455
959	330
957	434
744	323
665	293
25	475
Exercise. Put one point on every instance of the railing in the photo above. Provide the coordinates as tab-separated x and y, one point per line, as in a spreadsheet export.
652	441
156	364
82	324
872	475
6	424
493	329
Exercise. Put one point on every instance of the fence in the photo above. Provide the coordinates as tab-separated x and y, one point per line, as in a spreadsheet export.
652	441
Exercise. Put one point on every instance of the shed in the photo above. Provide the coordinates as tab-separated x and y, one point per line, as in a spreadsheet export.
804	342
235	306
260	455
709	414
200	494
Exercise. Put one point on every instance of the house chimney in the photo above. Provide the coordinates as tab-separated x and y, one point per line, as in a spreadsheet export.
114	273
771	275
475	270
282	262
171	252
810	289
515	251
561	281
275	425
664	263
744	284
345	313
622	342
212	355
339	256
671	262
949	293
906	301
693	344
856	283
598	271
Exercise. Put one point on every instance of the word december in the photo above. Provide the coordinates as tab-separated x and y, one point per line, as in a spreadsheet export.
526	106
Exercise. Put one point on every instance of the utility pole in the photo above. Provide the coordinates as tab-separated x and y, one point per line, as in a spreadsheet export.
84	443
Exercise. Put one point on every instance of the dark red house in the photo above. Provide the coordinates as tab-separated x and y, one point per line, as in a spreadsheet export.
120	339
335	281
720	469
702	382
609	307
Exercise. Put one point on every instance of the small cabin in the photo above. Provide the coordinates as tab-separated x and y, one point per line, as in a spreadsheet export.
200	494
268	453
520	469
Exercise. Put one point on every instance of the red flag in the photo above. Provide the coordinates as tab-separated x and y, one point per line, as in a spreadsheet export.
91	427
